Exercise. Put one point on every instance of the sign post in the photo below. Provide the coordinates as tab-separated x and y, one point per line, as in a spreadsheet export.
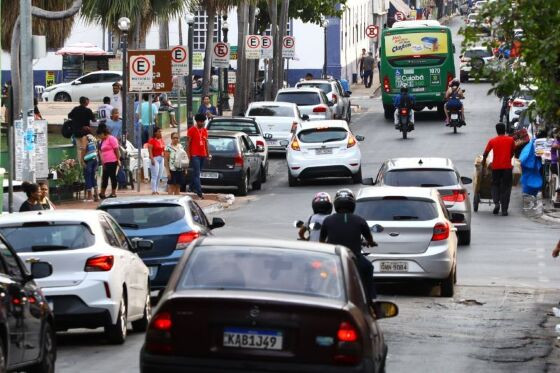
253	47
288	47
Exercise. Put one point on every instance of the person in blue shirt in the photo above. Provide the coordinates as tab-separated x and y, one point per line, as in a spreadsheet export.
114	123
143	115
207	108
404	100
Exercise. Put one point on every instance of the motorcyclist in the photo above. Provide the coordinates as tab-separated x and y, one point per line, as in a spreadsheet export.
404	100
322	207
345	228
453	97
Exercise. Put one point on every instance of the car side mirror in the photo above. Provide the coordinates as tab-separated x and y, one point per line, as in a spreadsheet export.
466	180
76	82
268	136
368	181
139	244
259	149
298	224
385	310
41	270
330	103
360	138
305	117
217	223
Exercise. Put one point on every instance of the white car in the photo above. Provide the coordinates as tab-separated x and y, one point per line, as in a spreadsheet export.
471	18
94	86
312	102
98	279
324	149
279	119
473	61
332	88
519	102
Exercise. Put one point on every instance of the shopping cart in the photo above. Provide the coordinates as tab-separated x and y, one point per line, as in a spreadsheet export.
482	184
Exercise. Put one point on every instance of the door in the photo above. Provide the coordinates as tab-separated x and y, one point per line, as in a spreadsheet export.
199	218
89	87
250	155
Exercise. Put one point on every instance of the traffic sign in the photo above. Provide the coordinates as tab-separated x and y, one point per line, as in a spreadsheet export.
372	31
399	16
141	73
158	72
233	52
252	47
288	47
179	60
220	55
267	50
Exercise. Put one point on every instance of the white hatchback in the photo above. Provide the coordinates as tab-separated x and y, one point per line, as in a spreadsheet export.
324	148
98	280
94	86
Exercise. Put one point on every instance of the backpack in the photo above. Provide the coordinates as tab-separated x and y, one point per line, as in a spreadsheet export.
405	102
66	129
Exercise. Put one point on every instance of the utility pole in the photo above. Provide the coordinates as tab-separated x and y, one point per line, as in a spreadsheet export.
26	63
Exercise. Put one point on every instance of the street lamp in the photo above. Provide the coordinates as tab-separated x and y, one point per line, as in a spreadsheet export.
225	94
325	24
190	22
124	24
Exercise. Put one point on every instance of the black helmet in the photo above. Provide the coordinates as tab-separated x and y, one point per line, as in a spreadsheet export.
344	201
322	204
455	83
404	88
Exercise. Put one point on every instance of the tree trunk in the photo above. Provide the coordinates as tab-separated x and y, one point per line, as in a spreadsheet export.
279	61
207	76
273	13
239	102
163	34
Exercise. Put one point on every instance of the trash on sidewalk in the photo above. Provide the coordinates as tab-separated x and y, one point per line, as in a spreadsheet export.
471	302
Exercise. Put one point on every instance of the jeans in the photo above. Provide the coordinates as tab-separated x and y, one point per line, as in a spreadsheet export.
156	170
501	187
366	274
109	172
368	76
145	134
89	174
196	164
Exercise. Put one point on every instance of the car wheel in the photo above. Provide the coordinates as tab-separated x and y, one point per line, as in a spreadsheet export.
116	333
292	180
48	352
264	173
389	111
258	181
142	324
476	201
62	96
448	285
464	237
243	187
357	177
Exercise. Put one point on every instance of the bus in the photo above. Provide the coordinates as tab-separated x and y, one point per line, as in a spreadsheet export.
419	54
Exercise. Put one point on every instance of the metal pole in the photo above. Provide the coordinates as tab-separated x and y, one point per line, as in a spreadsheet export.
26	63
325	53
189	85
11	150
220	94
124	91
140	162
150	113
178	112
225	99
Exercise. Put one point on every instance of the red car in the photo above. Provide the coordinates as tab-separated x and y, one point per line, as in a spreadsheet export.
245	305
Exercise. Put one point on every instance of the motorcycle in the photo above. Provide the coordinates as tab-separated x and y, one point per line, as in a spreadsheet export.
455	118
404	122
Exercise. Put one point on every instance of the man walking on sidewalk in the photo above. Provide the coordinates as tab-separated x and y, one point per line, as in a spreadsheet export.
502	147
197	150
367	63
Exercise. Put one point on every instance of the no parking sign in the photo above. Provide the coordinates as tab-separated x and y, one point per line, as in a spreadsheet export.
179	61
288	47
220	55
253	47
141	73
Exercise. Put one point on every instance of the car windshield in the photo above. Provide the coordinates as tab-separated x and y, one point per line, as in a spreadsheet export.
264	269
246	127
222	145
48	236
325	87
299	98
322	135
143	215
396	208
478	53
525	95
271	111
421	178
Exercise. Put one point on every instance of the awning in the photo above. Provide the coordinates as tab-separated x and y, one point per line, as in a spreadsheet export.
401	6
87	49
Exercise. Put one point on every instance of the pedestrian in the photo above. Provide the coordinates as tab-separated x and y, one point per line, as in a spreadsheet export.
156	101
45	201
36	113
207	108
110	159
89	163
502	147
361	63
116	99
554	165
368	63
81	116
156	146
143	115
166	105
198	151
33	193
308	76
174	156
114	123
104	110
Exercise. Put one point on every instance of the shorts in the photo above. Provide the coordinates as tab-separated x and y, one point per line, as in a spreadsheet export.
454	104
177	178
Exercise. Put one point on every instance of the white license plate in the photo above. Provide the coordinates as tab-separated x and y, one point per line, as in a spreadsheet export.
152	272
394	266
209	175
255	339
323	151
419	89
272	142
454	116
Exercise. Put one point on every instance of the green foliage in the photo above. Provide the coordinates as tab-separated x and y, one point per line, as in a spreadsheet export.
539	64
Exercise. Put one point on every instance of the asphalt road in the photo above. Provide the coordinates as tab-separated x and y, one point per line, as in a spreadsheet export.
499	319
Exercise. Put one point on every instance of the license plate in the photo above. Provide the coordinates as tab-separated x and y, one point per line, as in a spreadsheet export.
419	89
152	272
454	116
254	339
272	142
323	151
394	267
209	175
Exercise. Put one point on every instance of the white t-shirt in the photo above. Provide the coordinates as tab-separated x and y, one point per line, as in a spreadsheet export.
104	111
116	101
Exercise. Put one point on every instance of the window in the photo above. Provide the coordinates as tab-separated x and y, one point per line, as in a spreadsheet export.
199	28
396	209
271	111
299	98
109	78
244	146
145	215
421	178
325	87
12	267
322	135
246	127
119	234
47	236
222	145
248	142
109	234
197	214
90	79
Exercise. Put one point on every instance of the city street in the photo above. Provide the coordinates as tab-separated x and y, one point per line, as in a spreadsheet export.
499	319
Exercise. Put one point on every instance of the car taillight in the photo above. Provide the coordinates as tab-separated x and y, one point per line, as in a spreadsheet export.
449	78
349	350
518	103
386	84
347	332
102	263
158	336
295	144
185	239
456	196
294	127
404	111
238	160
334	98
320	109
351	141
260	143
162	322
441	232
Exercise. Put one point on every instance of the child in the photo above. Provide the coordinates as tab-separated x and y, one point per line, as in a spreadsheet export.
322	207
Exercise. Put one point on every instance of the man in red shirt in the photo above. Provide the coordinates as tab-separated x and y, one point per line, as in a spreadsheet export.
502	147
197	150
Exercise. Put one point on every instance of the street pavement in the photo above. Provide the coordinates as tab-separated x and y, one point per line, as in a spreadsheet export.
499	319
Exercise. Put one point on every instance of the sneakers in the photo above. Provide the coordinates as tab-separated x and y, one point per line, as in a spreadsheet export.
504	213
496	210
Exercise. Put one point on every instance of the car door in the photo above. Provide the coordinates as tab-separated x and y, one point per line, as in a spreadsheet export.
88	87
199	218
345	100
252	156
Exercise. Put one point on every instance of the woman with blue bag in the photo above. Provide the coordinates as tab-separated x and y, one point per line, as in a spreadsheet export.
89	163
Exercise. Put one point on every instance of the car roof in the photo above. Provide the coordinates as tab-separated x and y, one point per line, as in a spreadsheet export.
220	133
299	90
104	72
271	103
477	48
71	215
315	81
420	162
233	119
272	243
338	123
391	191
145	200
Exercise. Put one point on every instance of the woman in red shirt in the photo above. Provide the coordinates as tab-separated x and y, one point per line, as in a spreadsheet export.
156	147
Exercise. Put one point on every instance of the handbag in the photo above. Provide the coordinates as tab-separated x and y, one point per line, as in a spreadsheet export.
183	159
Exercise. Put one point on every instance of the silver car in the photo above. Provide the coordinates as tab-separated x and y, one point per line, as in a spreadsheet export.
335	93
312	102
439	173
416	237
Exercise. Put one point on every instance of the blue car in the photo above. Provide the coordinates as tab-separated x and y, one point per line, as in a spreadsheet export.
171	222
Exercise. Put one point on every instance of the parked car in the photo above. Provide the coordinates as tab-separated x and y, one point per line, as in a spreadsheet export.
291	306
324	149
472	17
415	236
439	173
98	280
279	119
27	337
479	5
170	222
335	93
236	162
519	102
312	102
475	63
251	128
94	86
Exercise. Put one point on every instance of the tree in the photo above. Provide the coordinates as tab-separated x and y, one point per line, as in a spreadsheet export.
539	64
239	103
